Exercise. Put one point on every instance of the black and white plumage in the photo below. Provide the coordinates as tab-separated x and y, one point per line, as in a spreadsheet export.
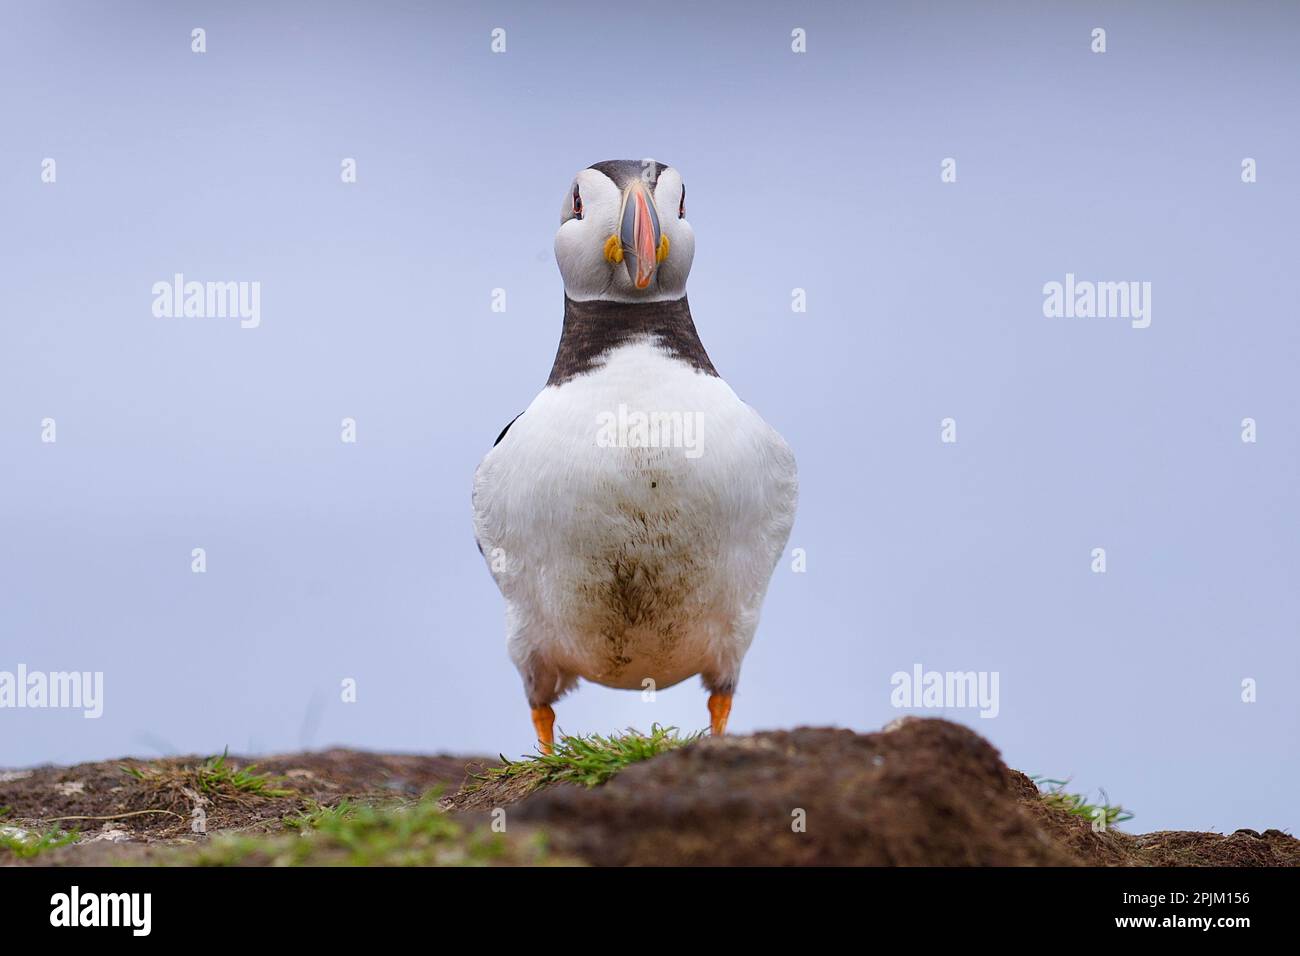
625	558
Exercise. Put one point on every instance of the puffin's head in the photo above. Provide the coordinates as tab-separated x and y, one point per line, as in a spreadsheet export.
623	233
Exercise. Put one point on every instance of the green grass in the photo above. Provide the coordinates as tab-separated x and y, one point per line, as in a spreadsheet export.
319	816
26	844
593	759
420	833
402	834
214	777
1054	795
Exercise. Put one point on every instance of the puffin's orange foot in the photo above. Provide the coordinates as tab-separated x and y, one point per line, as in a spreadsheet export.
719	711
544	723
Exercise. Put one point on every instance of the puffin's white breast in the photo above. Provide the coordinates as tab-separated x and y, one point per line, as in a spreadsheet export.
632	517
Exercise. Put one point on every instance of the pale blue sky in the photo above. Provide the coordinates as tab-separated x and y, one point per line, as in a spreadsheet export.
818	171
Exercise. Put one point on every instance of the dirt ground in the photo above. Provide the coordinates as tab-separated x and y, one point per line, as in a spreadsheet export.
927	793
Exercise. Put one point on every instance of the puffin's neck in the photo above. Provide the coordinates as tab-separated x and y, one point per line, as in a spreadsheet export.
594	328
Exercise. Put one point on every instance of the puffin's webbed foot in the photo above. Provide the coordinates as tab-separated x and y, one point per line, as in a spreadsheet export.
719	711
544	724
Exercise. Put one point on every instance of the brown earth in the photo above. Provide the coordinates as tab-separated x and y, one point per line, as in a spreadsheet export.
926	793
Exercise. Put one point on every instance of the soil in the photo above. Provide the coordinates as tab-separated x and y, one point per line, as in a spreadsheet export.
928	792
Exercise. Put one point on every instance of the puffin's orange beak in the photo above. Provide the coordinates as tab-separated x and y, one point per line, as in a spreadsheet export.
639	234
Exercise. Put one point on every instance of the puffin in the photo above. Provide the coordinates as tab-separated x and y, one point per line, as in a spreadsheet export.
633	514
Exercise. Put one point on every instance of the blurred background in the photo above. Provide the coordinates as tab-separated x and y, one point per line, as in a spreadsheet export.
329	561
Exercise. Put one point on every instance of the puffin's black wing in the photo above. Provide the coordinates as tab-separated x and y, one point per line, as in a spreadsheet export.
504	430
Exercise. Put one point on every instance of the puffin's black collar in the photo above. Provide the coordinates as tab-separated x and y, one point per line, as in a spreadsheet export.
594	328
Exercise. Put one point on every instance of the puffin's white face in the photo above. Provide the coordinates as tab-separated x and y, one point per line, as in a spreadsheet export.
629	244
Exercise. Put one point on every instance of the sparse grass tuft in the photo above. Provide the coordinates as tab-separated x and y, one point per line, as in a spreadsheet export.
26	844
402	834
215	777
590	760
215	774
1054	795
318	815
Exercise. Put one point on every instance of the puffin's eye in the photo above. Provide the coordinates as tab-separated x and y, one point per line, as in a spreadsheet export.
681	208
577	203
